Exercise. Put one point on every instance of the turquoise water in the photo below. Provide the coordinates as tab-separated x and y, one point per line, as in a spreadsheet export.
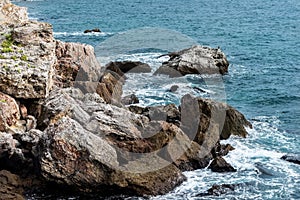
262	42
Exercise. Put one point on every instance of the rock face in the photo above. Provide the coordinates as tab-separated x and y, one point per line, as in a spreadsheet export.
10	186
9	13
27	59
9	112
76	62
195	60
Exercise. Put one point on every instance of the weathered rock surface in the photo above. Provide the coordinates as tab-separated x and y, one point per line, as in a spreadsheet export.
130	99
9	112
10	13
201	118
195	60
294	158
27	59
130	66
219	164
76	62
10	186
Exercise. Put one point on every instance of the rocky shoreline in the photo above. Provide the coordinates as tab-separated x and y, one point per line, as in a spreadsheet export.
63	125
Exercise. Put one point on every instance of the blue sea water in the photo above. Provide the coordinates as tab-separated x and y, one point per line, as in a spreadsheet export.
262	42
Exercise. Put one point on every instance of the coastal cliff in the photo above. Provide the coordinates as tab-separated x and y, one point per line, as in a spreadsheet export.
62	122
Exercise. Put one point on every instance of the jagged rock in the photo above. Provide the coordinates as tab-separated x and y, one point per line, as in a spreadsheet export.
129	99
74	156
11	14
10	186
110	87
130	66
221	149
198	116
219	164
76	62
9	112
29	53
294	158
195	60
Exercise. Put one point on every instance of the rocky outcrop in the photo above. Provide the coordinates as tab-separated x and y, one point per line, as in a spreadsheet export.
10	13
195	60
218	190
27	59
130	99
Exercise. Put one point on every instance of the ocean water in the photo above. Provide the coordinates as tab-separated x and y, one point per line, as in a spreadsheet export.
262	42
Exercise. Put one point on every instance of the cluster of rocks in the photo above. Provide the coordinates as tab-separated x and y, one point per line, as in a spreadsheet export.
62	120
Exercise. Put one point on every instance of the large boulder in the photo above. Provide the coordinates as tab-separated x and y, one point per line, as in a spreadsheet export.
27	59
201	116
219	164
195	60
76	62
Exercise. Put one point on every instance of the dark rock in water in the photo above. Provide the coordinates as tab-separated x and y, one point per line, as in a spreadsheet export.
129	99
10	186
221	149
96	30
219	164
174	88
218	190
195	60
294	158
130	66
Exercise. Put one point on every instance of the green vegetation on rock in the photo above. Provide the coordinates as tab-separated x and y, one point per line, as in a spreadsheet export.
24	58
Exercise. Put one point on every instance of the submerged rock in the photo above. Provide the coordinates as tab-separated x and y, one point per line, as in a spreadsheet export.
195	60
95	30
218	190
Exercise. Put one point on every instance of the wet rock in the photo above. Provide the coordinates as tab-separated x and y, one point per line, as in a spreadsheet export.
294	158
195	60
9	112
95	30
76	62
218	190
219	164
221	149
130	66
10	186
130	99
174	88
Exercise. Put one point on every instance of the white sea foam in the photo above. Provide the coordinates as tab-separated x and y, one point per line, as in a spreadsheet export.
82	34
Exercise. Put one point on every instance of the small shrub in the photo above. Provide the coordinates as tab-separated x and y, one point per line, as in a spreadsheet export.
7	50
24	58
2	56
14	58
